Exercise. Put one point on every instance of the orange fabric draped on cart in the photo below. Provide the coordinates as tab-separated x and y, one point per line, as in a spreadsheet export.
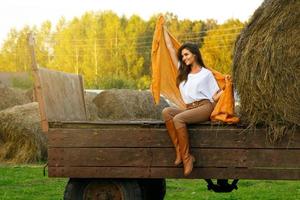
164	75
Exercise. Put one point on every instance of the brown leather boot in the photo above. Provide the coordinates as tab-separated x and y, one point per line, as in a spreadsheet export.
184	147
173	135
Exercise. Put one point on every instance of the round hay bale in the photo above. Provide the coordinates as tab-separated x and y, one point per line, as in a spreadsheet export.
266	67
22	138
125	104
10	97
30	94
91	108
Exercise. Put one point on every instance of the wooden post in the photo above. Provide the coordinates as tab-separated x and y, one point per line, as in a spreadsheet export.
37	84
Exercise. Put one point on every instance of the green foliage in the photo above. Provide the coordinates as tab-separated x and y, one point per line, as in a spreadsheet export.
112	51
22	83
144	82
113	82
218	45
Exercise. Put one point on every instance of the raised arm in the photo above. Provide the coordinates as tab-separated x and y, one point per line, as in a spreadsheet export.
170	47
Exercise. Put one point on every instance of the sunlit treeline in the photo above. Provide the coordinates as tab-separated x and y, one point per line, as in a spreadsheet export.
112	51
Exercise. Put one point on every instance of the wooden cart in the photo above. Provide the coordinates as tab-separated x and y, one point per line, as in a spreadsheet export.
132	159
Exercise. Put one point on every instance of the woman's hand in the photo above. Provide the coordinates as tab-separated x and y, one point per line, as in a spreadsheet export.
217	95
227	78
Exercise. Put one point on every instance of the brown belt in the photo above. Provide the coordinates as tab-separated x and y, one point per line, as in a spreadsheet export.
196	104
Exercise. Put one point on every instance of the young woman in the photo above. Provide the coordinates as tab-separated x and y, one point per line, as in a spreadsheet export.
199	91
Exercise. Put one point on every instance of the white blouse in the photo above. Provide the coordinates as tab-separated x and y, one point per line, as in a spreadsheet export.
199	86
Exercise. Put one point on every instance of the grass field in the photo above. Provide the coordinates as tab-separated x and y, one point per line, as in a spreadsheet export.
28	182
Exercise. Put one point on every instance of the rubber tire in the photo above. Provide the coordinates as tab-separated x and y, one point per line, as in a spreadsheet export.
153	188
75	188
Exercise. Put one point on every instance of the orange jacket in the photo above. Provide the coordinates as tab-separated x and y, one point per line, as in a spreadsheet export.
164	75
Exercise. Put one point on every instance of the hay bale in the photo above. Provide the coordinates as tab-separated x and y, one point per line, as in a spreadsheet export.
91	108
22	138
124	104
266	67
10	97
30	94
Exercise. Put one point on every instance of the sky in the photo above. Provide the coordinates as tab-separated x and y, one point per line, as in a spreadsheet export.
18	13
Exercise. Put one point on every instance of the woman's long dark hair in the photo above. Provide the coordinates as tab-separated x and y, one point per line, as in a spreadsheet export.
184	69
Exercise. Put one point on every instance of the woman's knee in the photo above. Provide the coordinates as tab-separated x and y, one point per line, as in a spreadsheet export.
166	113
178	122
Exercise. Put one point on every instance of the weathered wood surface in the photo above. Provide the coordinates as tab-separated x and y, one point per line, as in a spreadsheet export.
172	172
164	157
62	95
37	84
137	150
155	137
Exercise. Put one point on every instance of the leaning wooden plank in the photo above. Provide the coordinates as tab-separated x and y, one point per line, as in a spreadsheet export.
37	84
168	172
164	157
60	95
63	95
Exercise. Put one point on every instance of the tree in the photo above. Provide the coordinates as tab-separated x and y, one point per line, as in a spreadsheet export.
44	44
9	52
112	51
218	45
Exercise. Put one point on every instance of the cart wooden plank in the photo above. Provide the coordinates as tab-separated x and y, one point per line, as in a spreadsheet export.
225	137
164	157
167	172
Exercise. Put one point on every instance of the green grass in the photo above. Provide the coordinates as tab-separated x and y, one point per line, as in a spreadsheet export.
28	182
247	190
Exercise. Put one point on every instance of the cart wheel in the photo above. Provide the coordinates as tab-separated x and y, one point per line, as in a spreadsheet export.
153	188
99	189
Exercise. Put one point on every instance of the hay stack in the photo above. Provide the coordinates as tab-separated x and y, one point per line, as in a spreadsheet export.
124	104
10	97
266	66
21	135
91	108
29	93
